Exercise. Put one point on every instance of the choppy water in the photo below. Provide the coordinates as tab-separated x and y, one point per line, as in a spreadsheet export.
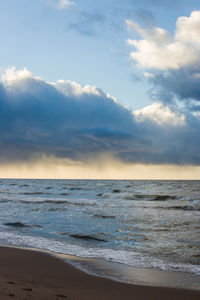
150	224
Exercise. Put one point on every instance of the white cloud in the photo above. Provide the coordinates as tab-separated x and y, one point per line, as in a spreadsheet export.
65	4
160	114
188	29
68	87
158	49
13	76
19	80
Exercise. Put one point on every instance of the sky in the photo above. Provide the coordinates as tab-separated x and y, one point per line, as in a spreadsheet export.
100	89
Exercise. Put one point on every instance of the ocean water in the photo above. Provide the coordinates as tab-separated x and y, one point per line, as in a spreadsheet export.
145	224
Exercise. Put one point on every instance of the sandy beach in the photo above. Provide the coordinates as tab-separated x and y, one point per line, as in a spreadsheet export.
26	274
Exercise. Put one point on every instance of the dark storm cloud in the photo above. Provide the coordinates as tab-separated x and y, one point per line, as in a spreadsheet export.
35	117
67	121
182	83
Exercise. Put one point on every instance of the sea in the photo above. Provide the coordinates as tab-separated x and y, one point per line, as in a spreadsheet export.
150	224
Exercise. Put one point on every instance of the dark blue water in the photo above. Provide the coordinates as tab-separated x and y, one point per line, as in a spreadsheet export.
150	224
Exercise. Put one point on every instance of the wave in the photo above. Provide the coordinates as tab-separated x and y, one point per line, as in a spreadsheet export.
164	197
21	225
50	209
22	193
33	193
82	203
70	202
56	201
65	194
87	237
31	202
5	200
183	207
17	224
116	191
114	255
75	188
144	197
104	216
7	192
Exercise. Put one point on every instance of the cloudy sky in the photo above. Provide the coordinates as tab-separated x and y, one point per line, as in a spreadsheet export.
100	89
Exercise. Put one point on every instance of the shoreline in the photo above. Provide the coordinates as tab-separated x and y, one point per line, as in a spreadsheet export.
121	272
35	274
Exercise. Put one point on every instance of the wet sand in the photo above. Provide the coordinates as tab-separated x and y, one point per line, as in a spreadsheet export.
26	274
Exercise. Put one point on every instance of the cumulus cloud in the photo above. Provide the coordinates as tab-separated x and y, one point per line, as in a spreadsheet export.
60	118
65	120
171	63
159	50
64	4
159	114
188	29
